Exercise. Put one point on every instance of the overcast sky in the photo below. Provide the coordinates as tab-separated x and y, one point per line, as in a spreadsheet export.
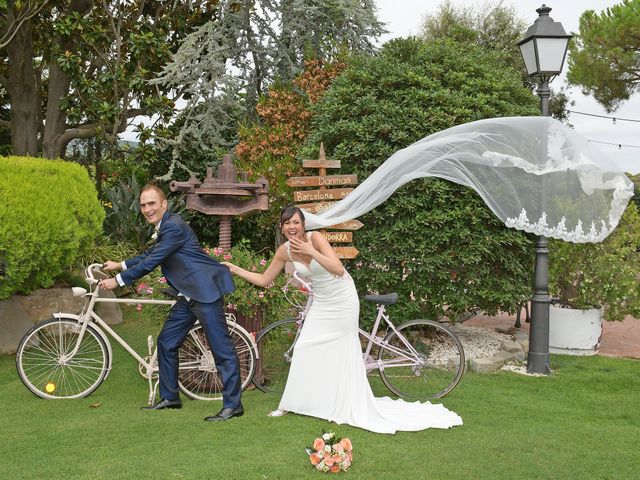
404	17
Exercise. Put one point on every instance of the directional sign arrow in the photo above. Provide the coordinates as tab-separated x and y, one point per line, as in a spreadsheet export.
346	252
338	237
326	181
316	207
329	194
350	225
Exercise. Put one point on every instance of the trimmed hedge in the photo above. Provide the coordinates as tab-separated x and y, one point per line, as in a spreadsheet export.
49	215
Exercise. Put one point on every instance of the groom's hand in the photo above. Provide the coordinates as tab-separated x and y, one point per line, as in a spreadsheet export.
109	266
108	283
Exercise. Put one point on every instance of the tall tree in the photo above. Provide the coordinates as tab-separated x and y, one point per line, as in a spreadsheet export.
251	44
76	69
491	26
604	58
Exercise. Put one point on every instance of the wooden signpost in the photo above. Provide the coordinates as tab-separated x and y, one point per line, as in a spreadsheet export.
323	197
326	181
322	194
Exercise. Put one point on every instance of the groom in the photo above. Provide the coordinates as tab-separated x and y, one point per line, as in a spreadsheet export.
201	283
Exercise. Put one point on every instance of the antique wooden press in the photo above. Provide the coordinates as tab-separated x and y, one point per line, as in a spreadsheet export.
225	196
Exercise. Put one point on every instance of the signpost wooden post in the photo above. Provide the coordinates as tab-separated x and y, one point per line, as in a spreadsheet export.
330	189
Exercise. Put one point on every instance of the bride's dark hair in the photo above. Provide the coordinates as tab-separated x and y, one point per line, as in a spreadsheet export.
288	212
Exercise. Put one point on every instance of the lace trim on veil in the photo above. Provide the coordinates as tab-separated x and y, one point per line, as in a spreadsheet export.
522	167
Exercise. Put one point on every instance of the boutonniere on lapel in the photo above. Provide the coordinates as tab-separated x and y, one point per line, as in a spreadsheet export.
154	236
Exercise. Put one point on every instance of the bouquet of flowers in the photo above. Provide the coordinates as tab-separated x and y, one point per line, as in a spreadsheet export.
330	453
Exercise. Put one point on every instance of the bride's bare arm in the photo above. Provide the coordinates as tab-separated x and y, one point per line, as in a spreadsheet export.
319	249
262	279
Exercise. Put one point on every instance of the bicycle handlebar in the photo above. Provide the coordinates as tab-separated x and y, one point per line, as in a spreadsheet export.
91	280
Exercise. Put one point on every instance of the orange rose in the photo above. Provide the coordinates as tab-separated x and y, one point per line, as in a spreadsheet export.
318	444
335	468
337	458
328	460
346	444
315	458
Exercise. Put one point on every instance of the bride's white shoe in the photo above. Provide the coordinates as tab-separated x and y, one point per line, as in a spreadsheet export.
276	413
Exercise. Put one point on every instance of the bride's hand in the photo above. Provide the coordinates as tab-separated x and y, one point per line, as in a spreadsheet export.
302	247
230	266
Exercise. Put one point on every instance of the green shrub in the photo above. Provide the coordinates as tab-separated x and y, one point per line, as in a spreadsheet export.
606	274
247	297
434	242
49	215
105	249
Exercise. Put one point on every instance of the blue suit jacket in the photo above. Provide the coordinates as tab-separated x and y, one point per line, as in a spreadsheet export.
184	263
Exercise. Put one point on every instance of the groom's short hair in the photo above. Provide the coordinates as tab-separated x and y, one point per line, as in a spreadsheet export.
157	189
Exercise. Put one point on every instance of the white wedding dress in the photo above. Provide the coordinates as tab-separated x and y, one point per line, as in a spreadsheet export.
327	378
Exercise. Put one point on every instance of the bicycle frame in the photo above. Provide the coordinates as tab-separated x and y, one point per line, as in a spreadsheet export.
410	355
148	365
373	338
302	314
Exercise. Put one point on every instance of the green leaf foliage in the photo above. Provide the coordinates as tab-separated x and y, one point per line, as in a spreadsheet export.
124	222
603	274
434	242
491	26
233	59
91	62
276	302
636	182
603	58
50	215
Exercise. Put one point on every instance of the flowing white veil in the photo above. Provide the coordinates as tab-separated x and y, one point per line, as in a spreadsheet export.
534	173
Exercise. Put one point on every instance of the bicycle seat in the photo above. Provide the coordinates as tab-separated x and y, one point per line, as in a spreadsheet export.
387	299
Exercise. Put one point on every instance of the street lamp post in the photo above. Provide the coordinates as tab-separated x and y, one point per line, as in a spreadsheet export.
543	50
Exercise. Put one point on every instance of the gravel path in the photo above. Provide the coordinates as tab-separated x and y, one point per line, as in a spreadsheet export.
479	342
484	342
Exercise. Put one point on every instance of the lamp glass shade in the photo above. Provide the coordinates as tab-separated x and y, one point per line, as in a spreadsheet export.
527	49
551	52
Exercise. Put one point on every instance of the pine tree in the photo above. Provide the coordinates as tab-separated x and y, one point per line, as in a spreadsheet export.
604	58
224	66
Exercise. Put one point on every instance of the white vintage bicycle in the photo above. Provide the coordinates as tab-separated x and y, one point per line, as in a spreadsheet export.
70	355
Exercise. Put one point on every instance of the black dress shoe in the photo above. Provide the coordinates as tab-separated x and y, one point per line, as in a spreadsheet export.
162	404
226	414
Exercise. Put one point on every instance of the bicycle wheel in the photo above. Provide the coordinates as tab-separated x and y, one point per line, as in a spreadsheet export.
424	360
275	346
198	376
46	368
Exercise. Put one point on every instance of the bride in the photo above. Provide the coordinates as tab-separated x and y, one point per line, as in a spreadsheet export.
329	337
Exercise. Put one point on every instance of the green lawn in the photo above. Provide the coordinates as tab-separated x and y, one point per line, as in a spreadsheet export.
580	422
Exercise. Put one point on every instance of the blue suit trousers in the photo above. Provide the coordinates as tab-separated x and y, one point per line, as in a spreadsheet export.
180	320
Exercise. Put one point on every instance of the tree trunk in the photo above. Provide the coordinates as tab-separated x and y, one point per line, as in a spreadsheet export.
54	144
23	91
56	119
